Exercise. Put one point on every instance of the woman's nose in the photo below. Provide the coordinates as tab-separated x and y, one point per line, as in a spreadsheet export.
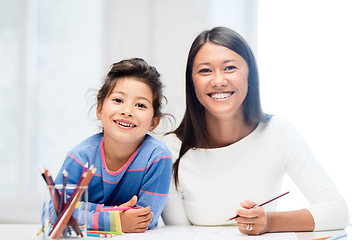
219	81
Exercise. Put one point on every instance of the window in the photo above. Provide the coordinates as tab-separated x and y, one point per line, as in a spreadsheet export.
40	55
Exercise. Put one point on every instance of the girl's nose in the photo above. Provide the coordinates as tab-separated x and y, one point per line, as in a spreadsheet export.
126	110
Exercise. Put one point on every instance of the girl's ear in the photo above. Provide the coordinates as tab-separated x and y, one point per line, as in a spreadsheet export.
99	109
154	123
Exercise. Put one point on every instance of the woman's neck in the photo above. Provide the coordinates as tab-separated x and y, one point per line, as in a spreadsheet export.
228	130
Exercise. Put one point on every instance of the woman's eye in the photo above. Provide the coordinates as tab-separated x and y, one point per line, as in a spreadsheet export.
118	100
141	105
229	68
205	70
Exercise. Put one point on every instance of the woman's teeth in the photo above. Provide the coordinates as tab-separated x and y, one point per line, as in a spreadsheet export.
220	95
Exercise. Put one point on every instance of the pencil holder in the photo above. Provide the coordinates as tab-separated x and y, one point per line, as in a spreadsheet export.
65	212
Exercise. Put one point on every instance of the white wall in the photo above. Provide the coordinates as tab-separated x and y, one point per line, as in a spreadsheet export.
304	57
54	52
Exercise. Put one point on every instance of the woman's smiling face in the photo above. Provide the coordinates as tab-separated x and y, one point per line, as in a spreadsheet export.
220	78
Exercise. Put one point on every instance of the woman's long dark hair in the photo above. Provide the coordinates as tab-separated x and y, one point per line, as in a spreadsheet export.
192	130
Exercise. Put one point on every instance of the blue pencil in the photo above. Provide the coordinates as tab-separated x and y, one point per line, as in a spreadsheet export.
337	236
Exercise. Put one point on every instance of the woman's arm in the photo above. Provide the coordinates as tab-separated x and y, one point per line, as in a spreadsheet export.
255	221
327	211
291	221
174	212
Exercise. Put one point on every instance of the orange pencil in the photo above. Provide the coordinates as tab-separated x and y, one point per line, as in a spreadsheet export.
322	238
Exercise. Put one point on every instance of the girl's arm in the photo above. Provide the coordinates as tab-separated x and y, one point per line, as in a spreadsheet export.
135	220
96	220
155	185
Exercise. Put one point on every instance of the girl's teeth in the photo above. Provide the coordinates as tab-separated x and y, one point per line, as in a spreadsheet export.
125	124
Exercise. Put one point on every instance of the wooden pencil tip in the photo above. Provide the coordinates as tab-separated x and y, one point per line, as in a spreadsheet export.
65	173
86	165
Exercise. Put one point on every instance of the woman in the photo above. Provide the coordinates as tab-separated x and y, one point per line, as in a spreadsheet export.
226	150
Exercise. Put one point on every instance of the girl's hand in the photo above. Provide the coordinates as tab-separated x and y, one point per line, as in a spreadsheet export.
135	220
252	220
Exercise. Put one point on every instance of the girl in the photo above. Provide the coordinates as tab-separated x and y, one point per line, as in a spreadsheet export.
133	168
226	150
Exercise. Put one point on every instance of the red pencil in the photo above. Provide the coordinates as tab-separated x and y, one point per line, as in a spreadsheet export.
56	199
66	214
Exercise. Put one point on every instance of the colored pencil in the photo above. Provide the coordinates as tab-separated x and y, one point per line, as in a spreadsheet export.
54	193
63	192
337	236
56	200
101	235
105	232
262	204
322	238
67	212
118	209
63	201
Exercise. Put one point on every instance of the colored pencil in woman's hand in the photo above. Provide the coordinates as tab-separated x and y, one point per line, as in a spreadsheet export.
262	204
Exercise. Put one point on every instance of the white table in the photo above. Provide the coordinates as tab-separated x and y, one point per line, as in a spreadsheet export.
28	232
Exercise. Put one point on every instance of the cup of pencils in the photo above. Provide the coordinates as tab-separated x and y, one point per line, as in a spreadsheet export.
65	214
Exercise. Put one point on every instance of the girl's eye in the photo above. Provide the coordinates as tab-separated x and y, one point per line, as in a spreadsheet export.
141	105
118	100
229	68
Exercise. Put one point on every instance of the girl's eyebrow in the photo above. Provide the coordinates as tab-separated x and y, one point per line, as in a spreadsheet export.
138	97
143	98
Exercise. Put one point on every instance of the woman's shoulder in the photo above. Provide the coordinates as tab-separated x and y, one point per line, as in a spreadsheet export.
171	140
279	125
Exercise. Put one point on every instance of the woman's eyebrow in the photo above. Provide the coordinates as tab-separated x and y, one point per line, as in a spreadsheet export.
204	63
230	60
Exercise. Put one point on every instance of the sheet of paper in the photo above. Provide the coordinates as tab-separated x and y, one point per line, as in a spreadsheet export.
203	233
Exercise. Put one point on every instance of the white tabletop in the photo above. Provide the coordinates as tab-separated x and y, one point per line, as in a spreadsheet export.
28	232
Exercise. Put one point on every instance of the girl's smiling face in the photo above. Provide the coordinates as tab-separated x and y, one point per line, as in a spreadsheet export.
220	78
127	114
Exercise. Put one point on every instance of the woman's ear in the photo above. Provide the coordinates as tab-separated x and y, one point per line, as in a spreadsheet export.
99	110
154	123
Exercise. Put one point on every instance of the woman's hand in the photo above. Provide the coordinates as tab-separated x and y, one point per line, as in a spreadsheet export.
135	220
252	220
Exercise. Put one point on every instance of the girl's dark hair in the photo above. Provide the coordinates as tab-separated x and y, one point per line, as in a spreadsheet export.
192	130
138	69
